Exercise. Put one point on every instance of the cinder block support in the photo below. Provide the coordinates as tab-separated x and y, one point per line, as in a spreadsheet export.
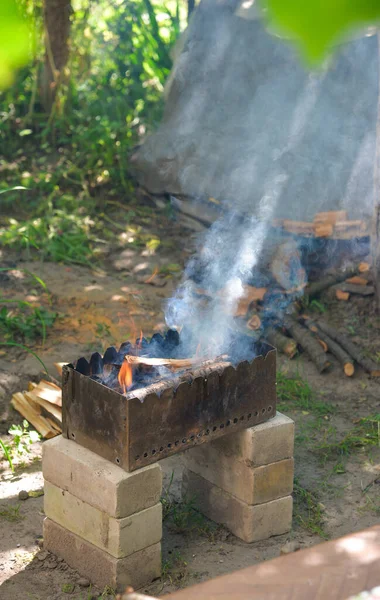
245	480
105	523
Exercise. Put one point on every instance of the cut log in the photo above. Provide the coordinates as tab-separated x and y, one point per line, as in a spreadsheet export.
317	287
286	267
323	229
356	280
331	216
359	290
341	295
250	294
333	347
351	348
254	322
280	341
307	341
364	267
323	344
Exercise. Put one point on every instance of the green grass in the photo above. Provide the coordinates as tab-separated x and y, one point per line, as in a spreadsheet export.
295	393
365	434
184	518
11	513
307	510
175	569
21	321
58	235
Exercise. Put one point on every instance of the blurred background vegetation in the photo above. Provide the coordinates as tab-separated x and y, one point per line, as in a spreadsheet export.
82	84
89	90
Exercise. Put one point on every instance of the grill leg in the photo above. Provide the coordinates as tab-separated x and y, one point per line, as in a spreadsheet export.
104	522
245	480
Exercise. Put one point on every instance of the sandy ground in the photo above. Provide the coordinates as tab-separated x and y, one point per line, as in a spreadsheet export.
100	307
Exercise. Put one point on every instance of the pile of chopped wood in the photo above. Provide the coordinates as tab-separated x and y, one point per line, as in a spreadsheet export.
296	330
41	406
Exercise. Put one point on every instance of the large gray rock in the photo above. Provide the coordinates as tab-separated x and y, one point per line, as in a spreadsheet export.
245	120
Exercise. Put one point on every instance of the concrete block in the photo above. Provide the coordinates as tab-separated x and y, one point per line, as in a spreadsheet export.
118	537
262	444
252	485
249	523
137	569
97	481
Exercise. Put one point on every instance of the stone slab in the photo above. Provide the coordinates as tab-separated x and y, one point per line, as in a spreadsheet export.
118	537
102	569
262	444
251	485
97	481
249	523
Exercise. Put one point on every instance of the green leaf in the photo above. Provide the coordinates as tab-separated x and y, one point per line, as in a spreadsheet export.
13	41
316	25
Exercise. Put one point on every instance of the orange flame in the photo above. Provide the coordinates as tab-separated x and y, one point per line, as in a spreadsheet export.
125	376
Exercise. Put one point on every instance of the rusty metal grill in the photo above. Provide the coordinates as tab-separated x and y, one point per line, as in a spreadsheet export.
141	427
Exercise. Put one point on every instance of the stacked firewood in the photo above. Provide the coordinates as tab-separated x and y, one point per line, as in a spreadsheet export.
332	224
41	406
292	330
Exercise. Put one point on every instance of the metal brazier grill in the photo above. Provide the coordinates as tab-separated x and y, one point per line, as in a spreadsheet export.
141	427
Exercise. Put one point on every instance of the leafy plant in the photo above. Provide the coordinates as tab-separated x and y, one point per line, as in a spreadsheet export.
22	438
24	321
13	41
316	25
59	235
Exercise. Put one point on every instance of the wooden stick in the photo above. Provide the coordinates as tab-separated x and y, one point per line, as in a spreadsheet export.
360	290
314	289
331	216
364	267
351	348
280	341
348	226
323	229
308	343
171	363
342	295
356	280
340	354
298	227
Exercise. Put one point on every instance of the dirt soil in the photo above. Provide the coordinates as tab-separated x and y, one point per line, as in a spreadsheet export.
337	484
